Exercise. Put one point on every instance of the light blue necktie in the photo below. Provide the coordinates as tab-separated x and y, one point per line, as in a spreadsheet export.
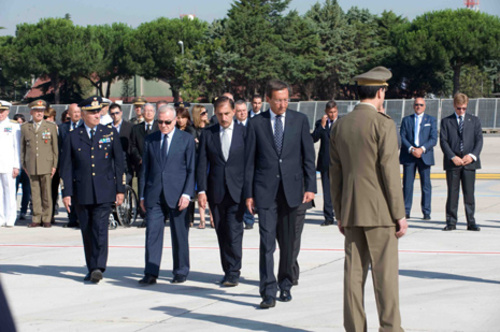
417	141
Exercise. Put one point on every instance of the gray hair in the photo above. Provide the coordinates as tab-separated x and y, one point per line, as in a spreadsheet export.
166	109
148	104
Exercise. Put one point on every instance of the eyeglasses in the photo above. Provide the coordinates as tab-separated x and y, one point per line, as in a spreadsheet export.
45	117
68	119
203	113
419	105
461	108
160	122
114	113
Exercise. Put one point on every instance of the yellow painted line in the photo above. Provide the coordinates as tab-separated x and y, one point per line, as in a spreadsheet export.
479	176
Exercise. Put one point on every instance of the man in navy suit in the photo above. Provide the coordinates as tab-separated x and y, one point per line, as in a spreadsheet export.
279	176
65	128
417	152
166	186
322	133
92	167
222	152
461	139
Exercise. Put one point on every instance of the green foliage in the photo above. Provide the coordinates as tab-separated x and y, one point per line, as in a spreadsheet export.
475	82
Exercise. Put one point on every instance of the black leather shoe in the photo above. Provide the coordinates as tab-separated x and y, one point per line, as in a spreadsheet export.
95	276
450	228
230	281
148	279
87	277
473	228
71	225
248	226
327	222
267	302
427	217
178	279
285	296
407	216
295	283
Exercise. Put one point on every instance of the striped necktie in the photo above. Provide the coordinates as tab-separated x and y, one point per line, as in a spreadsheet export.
278	133
461	132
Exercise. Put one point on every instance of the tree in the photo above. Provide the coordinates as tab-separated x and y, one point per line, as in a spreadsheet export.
155	46
112	58
55	48
450	39
338	59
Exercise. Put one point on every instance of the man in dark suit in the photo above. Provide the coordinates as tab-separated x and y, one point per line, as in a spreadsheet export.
417	152
461	139
165	188
322	133
279	176
124	129
222	152
75	115
93	179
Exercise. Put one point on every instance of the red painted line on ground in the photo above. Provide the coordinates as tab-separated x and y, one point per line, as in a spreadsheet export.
406	251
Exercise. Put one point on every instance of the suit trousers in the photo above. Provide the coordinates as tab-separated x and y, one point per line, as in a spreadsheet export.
276	222
468	180
24	180
299	227
424	171
228	218
8	202
179	231
94	223
327	198
41	198
376	247
56	179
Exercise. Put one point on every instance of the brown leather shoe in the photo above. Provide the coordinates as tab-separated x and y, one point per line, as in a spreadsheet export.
34	224
47	225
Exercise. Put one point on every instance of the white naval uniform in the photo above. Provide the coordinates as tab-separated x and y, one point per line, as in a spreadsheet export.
10	136
106	119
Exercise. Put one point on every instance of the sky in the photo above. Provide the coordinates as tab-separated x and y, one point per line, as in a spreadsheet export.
91	12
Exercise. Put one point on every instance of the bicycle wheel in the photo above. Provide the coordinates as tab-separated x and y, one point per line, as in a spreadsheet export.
127	212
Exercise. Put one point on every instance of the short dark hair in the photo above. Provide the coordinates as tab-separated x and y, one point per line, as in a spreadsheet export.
115	105
19	116
276	85
222	100
256	96
368	91
331	104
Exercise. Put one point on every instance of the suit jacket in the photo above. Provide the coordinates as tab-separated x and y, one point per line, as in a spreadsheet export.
427	138
64	130
450	140
92	171
365	181
125	133
174	178
222	175
265	169
137	136
39	150
323	135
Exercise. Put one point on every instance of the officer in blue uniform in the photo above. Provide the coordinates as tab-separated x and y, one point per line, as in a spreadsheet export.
92	171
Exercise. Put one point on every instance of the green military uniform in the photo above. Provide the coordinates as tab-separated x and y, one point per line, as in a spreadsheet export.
39	154
368	199
139	101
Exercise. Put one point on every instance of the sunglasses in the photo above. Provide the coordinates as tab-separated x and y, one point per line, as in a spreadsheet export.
461	108
203	113
68	119
419	105
160	122
114	113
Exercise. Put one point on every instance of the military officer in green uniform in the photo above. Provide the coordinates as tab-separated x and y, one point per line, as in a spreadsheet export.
138	103
368	199
39	155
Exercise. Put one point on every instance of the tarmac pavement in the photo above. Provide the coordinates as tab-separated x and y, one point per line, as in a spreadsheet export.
449	281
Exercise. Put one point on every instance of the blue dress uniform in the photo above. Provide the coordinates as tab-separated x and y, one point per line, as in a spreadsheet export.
92	172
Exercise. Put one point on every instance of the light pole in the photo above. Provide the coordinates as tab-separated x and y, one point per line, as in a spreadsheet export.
180	42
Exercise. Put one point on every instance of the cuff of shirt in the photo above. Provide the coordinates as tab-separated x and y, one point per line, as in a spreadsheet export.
186	196
201	192
423	148
473	156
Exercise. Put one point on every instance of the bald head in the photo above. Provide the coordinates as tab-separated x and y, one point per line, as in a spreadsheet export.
74	112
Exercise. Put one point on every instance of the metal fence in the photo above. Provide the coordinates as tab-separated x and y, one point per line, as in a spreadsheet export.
486	109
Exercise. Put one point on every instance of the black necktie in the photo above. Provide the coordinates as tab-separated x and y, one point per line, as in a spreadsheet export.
278	133
73	125
461	132
148	128
92	134
164	149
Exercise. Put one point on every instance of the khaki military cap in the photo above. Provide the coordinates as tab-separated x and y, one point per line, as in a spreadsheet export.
377	76
38	105
139	101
